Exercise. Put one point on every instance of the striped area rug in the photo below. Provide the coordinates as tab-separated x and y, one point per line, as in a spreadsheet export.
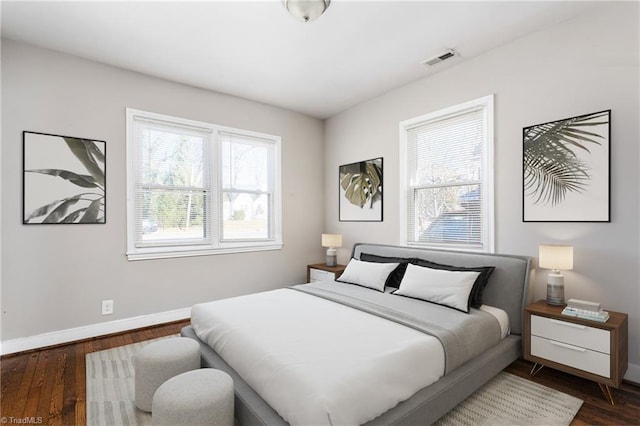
506	400
110	387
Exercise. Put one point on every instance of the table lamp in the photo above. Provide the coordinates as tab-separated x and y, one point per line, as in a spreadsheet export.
332	241
557	258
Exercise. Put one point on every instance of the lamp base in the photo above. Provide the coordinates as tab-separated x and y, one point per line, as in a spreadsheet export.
332	258
555	289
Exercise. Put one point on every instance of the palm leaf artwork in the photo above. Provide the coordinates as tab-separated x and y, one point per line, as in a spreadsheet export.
552	164
81	192
362	182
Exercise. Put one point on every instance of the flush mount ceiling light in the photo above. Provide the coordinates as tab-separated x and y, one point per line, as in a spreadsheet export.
306	10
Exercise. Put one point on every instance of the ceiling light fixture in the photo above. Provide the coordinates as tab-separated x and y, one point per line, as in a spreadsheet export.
306	10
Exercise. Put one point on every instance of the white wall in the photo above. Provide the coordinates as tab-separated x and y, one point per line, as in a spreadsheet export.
55	276
584	65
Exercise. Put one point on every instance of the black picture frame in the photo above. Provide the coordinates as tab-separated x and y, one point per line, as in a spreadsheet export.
63	179
360	187
566	170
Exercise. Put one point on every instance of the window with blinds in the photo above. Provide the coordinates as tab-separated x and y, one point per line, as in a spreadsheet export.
197	188
172	187
247	187
447	182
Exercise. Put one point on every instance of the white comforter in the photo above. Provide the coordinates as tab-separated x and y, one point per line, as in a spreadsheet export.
331	373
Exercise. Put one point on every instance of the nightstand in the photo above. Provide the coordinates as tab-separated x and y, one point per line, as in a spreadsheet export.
321	272
592	350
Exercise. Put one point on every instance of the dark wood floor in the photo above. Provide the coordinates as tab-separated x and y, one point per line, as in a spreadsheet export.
48	386
595	410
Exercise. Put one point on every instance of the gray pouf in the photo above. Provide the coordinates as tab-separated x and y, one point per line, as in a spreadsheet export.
158	362
198	398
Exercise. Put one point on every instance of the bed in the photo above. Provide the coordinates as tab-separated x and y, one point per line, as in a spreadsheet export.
283	328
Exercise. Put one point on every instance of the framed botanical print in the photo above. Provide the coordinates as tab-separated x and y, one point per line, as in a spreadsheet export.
361	191
64	179
566	170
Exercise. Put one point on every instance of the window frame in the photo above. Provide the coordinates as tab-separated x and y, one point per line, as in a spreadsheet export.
407	187
214	214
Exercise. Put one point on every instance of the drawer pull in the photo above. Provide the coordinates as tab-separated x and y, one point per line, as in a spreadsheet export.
568	324
564	345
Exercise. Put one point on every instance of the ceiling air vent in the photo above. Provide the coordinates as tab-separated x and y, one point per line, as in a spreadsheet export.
449	53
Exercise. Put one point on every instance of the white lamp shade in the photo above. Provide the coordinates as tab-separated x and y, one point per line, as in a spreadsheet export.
331	240
557	257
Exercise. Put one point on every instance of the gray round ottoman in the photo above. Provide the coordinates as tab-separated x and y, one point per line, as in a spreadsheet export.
198	398
159	361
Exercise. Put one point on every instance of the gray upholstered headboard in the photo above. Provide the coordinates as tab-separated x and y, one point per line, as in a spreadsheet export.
507	287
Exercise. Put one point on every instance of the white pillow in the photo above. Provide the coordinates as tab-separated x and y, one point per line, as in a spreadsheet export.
449	288
367	274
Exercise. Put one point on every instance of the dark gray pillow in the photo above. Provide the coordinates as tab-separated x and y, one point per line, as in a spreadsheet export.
475	298
396	276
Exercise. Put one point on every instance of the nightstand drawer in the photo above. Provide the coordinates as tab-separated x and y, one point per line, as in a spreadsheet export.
319	275
573	356
574	334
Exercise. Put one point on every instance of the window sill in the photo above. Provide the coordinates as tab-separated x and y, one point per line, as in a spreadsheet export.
169	254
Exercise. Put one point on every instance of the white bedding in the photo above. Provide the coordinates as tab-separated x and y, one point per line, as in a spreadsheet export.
333	373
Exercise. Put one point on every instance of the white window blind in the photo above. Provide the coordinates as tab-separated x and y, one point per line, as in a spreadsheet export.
172	187
247	187
448	186
196	188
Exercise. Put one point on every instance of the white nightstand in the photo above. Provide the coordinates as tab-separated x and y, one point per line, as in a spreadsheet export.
321	272
589	349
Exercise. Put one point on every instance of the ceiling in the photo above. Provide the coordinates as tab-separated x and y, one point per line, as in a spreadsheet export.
357	50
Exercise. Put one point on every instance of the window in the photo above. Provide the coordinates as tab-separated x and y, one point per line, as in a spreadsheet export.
447	177
197	188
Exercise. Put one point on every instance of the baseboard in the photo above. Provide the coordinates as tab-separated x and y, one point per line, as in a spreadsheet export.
89	331
633	373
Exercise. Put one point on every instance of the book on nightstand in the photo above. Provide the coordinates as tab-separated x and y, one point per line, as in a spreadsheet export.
600	315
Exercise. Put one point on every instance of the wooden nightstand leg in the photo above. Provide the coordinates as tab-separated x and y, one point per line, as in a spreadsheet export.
606	391
536	369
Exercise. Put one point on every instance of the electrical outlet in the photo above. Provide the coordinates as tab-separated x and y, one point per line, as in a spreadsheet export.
107	307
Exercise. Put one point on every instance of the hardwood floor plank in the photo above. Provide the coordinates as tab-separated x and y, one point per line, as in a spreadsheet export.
56	402
35	389
47	384
80	396
20	399
13	372
69	399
